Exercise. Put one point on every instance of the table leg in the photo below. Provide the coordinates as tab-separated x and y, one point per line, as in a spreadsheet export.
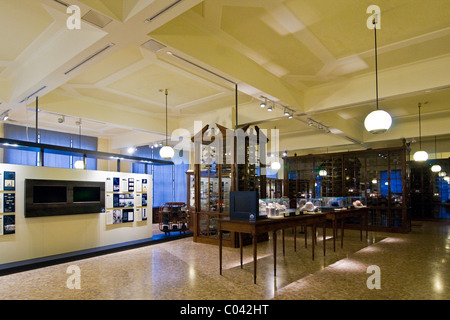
220	251
342	232
295	239
334	233
324	236
313	235
306	236
241	248
360	226
366	218
254	257
275	253
282	234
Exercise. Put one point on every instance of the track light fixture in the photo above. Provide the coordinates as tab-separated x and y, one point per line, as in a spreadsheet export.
4	116
263	104
318	125
288	112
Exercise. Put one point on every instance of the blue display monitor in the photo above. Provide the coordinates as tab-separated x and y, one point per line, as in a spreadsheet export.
244	205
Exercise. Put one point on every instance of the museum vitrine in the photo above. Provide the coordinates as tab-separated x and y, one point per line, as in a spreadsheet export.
379	176
216	173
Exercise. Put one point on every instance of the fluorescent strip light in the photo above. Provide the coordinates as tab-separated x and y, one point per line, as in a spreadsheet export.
89	58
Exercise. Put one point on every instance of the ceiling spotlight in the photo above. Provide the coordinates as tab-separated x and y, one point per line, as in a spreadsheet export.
291	116
5	115
62	119
270	108
310	123
286	112
263	104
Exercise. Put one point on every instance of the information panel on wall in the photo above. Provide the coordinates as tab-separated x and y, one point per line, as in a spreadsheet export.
126	199
7	203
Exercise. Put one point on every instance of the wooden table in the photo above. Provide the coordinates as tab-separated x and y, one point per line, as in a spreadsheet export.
341	215
268	225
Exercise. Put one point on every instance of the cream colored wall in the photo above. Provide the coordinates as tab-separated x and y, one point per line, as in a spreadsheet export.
46	236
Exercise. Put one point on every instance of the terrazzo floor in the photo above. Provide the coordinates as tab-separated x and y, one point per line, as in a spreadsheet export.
411	266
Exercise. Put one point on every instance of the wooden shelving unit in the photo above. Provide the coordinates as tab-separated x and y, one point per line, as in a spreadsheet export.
214	177
380	176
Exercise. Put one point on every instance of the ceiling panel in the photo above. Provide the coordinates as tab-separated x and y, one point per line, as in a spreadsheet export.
147	82
120	100
279	49
27	19
109	66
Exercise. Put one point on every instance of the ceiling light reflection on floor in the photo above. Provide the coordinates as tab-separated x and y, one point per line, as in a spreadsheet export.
348	265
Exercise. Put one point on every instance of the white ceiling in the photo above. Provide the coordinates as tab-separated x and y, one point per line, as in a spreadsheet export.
314	57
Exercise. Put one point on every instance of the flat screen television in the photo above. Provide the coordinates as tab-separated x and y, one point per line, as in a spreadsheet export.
49	194
62	197
86	194
244	205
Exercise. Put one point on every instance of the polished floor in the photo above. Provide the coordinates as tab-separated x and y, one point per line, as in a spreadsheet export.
410	266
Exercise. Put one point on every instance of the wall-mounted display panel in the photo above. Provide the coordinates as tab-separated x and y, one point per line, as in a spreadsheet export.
23	239
60	197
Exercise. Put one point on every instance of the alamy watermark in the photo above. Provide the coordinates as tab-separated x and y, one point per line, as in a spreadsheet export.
226	146
74	280
374	281
74	21
374	21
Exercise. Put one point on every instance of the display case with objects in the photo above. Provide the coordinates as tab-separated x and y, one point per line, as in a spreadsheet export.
274	208
378	178
356	202
216	174
332	203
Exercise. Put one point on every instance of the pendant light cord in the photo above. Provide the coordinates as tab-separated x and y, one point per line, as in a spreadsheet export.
166	92
376	60
420	130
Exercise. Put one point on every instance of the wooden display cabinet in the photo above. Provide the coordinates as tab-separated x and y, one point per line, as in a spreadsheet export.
213	178
377	175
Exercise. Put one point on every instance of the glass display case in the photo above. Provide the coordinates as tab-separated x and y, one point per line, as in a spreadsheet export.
215	176
273	208
331	203
375	177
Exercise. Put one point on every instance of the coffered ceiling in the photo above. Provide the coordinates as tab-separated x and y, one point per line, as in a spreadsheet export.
314	57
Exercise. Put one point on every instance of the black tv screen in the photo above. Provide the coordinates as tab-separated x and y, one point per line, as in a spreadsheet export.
63	197
86	194
49	194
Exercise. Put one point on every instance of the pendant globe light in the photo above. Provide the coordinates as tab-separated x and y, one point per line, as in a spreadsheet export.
276	165
436	167
420	155
79	164
166	152
377	121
